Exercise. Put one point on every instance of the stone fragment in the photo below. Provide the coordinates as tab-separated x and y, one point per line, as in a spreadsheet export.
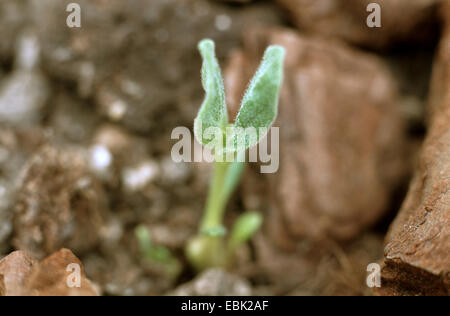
15	269
417	252
25	92
59	204
56	275
347	19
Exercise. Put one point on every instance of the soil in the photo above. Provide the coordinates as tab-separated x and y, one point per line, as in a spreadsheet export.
86	116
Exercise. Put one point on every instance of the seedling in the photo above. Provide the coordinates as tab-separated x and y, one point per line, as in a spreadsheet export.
158	257
228	143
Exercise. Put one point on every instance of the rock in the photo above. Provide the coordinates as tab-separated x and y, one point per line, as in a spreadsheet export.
417	252
22	97
59	204
25	92
2	286
346	19
439	90
15	148
101	161
341	139
214	282
138	177
24	276
15	270
51	277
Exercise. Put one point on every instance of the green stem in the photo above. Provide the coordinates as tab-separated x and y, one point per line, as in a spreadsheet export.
216	202
208	248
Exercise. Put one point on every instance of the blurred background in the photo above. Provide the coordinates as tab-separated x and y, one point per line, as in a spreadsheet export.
86	116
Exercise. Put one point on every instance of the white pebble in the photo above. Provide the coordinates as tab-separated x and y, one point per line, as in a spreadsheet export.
223	22
117	110
100	158
138	177
28	52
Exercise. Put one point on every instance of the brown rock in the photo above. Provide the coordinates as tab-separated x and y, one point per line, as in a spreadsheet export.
23	275
346	19
340	139
59	204
2	286
417	254
440	91
15	269
50	278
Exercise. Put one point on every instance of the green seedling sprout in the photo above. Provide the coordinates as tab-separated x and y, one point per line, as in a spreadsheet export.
211	247
159	257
